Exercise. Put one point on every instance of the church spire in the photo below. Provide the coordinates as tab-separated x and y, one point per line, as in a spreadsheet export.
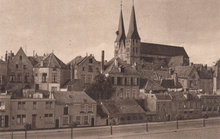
121	31
132	31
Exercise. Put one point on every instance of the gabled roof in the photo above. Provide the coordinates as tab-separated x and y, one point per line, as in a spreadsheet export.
24	56
76	85
51	61
153	86
117	65
79	60
124	106
184	71
162	50
35	59
72	97
169	83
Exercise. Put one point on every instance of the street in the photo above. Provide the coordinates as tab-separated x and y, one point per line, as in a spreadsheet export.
186	129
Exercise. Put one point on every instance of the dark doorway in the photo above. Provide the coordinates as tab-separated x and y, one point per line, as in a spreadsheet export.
34	118
57	123
106	121
6	120
92	121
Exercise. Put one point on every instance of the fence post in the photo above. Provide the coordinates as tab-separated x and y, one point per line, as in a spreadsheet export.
203	122
146	126
177	125
111	128
12	134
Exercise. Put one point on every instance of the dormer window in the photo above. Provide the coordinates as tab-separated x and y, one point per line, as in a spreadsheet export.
90	60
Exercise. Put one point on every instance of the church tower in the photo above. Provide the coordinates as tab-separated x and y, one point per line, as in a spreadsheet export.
133	41
120	39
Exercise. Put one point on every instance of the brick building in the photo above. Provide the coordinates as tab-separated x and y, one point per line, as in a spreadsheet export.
125	78
5	111
84	68
20	71
50	74
74	107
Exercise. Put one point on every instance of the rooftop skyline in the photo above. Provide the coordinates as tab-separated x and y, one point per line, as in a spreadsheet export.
72	28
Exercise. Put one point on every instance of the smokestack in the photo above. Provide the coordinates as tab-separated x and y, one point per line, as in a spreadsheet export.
102	61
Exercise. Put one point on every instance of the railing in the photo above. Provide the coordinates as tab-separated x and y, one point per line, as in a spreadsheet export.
108	131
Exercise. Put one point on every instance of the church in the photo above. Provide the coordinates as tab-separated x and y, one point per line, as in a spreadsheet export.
130	48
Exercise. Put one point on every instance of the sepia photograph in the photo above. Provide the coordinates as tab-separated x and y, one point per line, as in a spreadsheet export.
110	69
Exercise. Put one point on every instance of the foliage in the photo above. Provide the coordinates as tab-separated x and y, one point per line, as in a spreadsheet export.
101	89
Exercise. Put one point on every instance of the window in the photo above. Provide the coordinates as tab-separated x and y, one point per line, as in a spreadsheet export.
21	119
90	60
83	68
118	80
85	120
113	80
65	120
36	74
128	118
20	57
24	67
19	77
78	119
44	77
54	69
54	78
16	66
34	105
134	117
65	110
1	80
12	78
90	69
49	104
89	79
21	105
2	106
131	80
122	118
125	81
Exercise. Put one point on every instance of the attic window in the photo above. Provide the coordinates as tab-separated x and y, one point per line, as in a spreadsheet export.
90	60
20	57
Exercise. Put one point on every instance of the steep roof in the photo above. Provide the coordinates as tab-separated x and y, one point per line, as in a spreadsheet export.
153	86
132	31
124	106
162	50
79	60
51	61
169	83
183	71
117	65
76	85
121	31
72	97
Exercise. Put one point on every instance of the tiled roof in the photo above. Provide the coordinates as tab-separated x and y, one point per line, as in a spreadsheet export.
183	71
116	65
76	85
72	97
162	96
52	61
169	83
162	50
153	86
125	106
177	96
35	60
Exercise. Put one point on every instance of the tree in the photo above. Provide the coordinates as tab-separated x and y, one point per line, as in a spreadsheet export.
101	89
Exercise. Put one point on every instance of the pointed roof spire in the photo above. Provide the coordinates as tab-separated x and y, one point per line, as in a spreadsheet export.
132	31
121	30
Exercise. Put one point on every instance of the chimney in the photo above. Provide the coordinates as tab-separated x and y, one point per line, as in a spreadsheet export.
71	71
33	53
6	56
102	61
175	79
41	63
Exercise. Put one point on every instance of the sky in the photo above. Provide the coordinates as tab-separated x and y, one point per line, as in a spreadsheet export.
70	28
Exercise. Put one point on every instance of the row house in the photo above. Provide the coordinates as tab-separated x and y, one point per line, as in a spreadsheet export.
125	78
3	75
210	105
5	111
74	108
20	71
84	68
122	111
50	74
